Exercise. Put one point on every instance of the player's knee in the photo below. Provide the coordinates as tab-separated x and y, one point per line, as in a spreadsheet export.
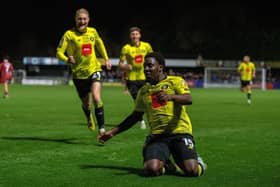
153	168
191	170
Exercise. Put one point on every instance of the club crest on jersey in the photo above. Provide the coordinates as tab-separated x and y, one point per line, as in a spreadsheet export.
164	87
91	38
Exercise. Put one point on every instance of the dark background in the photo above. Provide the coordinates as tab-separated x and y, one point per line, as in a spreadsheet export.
178	29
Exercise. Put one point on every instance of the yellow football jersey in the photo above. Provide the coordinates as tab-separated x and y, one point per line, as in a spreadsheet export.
82	47
246	70
165	117
135	55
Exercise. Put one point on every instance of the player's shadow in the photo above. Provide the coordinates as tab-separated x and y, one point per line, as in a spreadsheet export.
230	103
127	170
106	125
57	140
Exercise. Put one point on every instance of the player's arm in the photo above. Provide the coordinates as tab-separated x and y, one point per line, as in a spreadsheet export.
133	118
254	72
184	99
150	49
11	69
102	50
122	65
182	94
61	49
240	70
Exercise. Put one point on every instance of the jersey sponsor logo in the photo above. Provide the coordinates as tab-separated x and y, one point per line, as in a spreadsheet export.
138	59
156	102
86	49
248	70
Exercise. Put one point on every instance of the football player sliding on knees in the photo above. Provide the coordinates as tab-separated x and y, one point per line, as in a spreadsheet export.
163	99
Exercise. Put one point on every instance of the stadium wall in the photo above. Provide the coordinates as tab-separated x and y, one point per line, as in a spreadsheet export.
51	71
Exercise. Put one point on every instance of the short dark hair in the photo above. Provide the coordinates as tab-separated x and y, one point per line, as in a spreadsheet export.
158	56
132	29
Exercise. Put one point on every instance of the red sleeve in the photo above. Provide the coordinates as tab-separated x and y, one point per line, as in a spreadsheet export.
11	67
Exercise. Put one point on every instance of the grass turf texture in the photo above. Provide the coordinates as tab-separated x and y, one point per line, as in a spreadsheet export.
44	140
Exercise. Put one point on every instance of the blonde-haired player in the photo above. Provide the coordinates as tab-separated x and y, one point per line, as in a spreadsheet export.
77	47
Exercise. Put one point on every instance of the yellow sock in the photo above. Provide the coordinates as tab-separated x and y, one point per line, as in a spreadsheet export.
200	170
163	171
99	104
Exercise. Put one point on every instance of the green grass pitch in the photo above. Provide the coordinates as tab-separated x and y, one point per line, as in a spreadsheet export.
44	140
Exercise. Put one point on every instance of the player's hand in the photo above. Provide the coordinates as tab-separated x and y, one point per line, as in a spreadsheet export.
105	137
163	96
129	67
71	60
108	65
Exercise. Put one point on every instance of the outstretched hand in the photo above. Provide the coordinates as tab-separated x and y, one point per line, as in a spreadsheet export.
105	137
